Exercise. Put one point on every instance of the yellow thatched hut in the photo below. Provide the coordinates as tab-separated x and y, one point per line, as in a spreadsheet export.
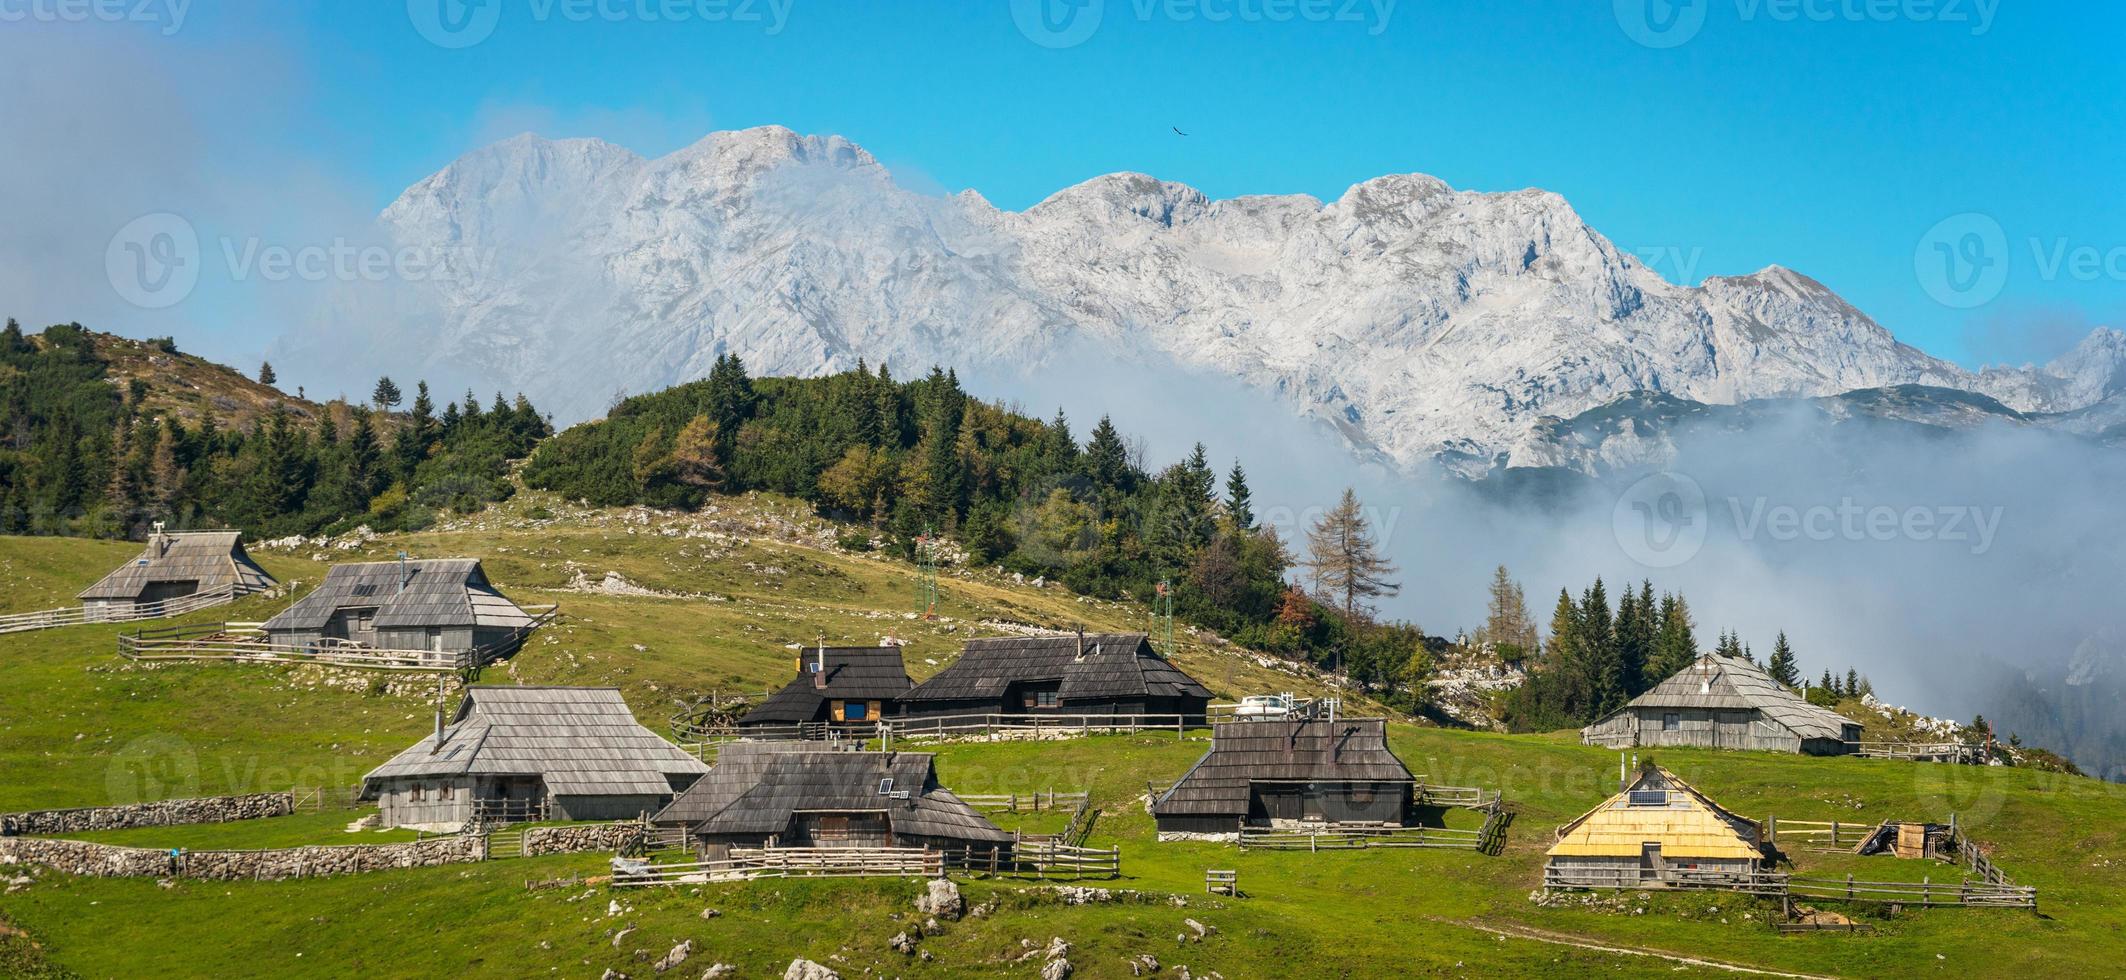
1659	831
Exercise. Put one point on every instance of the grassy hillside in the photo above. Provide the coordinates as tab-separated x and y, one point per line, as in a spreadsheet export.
191	388
80	726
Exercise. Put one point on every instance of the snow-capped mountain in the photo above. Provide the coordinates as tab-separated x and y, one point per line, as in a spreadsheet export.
1419	320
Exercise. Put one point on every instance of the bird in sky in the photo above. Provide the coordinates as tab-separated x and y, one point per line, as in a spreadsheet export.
1177	131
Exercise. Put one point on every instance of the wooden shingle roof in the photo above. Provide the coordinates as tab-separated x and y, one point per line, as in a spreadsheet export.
582	741
1096	666
1658	808
849	674
1308	750
434	592
214	559
1722	683
755	788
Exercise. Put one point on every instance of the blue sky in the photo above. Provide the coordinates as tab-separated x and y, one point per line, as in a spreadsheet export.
1832	136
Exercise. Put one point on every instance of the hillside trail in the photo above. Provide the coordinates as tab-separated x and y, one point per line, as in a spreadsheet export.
1578	942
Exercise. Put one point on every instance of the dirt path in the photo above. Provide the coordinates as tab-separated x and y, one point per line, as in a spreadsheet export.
1576	942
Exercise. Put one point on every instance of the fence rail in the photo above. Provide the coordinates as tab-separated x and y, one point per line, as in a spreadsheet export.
1034	802
1959	752
79	615
1348	838
785	862
247	642
1926	893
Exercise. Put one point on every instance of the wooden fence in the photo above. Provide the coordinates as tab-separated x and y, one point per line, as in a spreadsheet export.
1034	802
952	726
1958	752
80	615
1818	835
1979	892
1344	837
785	862
247	643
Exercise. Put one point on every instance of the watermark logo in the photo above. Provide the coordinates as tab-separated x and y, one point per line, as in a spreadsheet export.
1661	24
153	767
1661	521
153	262
454	23
1057	23
1962	262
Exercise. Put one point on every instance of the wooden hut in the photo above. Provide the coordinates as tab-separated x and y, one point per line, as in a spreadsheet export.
440	605
1656	832
790	794
834	685
532	753
1725	703
175	565
1080	674
1309	772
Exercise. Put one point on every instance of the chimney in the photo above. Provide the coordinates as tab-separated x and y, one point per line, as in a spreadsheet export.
1081	644
819	665
440	696
404	575
159	541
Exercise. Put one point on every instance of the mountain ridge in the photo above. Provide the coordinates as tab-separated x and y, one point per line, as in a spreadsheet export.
1429	322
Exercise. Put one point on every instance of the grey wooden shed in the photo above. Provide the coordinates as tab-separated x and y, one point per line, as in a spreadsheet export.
1299	772
1081	674
440	605
527	753
790	794
175	565
851	686
1725	703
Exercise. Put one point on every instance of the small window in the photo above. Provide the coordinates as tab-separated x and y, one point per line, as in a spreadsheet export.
1671	722
365	590
885	786
1045	699
415	796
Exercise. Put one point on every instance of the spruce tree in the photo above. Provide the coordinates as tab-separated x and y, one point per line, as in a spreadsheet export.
266	375
1601	663
1676	648
1239	502
1106	460
1783	668
1852	683
386	394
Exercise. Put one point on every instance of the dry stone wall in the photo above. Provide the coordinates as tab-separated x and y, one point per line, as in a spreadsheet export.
161	813
573	840
109	861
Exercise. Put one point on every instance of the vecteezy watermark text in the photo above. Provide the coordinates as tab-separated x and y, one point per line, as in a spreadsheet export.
464	23
168	13
1850	520
1672	23
1664	519
1069	23
155	261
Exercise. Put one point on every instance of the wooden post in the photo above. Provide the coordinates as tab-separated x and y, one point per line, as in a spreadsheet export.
1771	825
1849	887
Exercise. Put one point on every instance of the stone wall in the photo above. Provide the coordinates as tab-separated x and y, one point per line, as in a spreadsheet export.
108	861
162	813
574	840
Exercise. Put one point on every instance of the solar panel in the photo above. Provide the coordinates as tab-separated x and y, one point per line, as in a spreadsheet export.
1649	797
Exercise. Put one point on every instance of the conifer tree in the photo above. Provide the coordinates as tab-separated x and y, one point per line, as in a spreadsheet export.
1239	502
386	394
266	375
1783	668
1106	460
1346	560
